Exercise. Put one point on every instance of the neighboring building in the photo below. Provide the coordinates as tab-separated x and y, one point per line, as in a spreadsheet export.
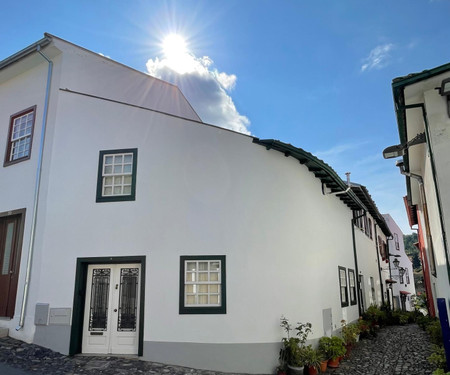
401	271
422	108
371	239
137	229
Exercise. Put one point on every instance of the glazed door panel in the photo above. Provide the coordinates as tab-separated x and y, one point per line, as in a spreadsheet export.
9	263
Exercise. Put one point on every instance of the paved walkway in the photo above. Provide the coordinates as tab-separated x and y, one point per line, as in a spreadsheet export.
396	350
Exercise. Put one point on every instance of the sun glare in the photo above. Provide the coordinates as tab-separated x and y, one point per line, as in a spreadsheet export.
174	45
177	55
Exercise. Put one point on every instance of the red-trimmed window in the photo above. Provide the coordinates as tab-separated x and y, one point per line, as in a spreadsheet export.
20	136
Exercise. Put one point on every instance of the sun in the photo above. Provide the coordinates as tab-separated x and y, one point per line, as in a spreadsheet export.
174	45
177	55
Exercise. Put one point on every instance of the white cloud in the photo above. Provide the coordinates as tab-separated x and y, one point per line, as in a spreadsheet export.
207	89
378	58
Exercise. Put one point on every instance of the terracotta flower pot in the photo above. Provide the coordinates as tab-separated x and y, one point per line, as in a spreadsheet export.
333	362
312	370
323	366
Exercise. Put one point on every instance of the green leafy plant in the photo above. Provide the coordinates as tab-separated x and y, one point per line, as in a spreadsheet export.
435	332
437	358
440	371
332	347
349	332
290	353
311	357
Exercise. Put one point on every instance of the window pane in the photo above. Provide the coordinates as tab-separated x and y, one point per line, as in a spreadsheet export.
127	190
203	266
214	276
214	299
190	276
190	266
203	288
118	159
214	266
108	159
108	169
118	169
107	190
203	276
190	300
203	299
127	180
189	288
127	168
108	181
118	180
128	158
8	248
117	190
214	288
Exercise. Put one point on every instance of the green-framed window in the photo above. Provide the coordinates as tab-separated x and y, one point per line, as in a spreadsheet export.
202	284
352	286
116	179
343	286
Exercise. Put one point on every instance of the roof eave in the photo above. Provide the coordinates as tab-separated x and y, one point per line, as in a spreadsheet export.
319	168
25	52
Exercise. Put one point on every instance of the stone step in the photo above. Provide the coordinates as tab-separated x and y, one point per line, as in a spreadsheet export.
4	332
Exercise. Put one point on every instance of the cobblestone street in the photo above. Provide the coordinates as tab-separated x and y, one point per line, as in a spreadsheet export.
396	350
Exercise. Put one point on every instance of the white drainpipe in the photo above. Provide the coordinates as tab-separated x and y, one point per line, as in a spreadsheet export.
36	191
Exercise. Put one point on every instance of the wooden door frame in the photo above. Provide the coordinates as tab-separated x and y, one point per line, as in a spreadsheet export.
76	334
17	256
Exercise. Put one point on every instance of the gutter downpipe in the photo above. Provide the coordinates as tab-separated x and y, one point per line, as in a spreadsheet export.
36	190
379	264
433	168
355	255
427	228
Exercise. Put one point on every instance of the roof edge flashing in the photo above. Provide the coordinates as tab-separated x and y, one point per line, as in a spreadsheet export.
26	51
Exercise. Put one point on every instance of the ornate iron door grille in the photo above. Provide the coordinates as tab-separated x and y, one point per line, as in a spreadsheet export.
129	279
98	318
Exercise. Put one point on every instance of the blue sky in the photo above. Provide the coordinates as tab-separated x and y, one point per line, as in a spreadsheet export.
316	74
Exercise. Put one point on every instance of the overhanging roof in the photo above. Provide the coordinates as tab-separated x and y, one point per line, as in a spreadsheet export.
363	194
319	168
26	51
398	91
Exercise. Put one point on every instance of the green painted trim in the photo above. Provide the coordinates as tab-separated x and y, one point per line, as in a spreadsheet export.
223	290
379	263
340	268
417	77
355	256
99	197
352	302
76	334
319	168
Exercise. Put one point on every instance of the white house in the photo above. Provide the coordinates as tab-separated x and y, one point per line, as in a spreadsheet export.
401	270
422	109
128	226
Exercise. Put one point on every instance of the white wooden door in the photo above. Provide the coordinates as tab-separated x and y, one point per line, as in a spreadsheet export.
111	314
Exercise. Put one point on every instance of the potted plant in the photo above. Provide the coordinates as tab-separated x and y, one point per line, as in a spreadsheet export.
333	348
311	358
290	352
350	333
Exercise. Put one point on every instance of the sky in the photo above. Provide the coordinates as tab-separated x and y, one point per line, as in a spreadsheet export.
313	73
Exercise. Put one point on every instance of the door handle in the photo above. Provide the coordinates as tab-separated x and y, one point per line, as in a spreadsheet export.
115	310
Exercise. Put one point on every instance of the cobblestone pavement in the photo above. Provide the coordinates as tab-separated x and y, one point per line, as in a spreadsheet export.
396	350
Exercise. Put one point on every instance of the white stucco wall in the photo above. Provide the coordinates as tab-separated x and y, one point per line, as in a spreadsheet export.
438	122
404	260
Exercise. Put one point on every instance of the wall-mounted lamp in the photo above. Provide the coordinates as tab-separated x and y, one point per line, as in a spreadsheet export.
400	150
444	90
396	262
